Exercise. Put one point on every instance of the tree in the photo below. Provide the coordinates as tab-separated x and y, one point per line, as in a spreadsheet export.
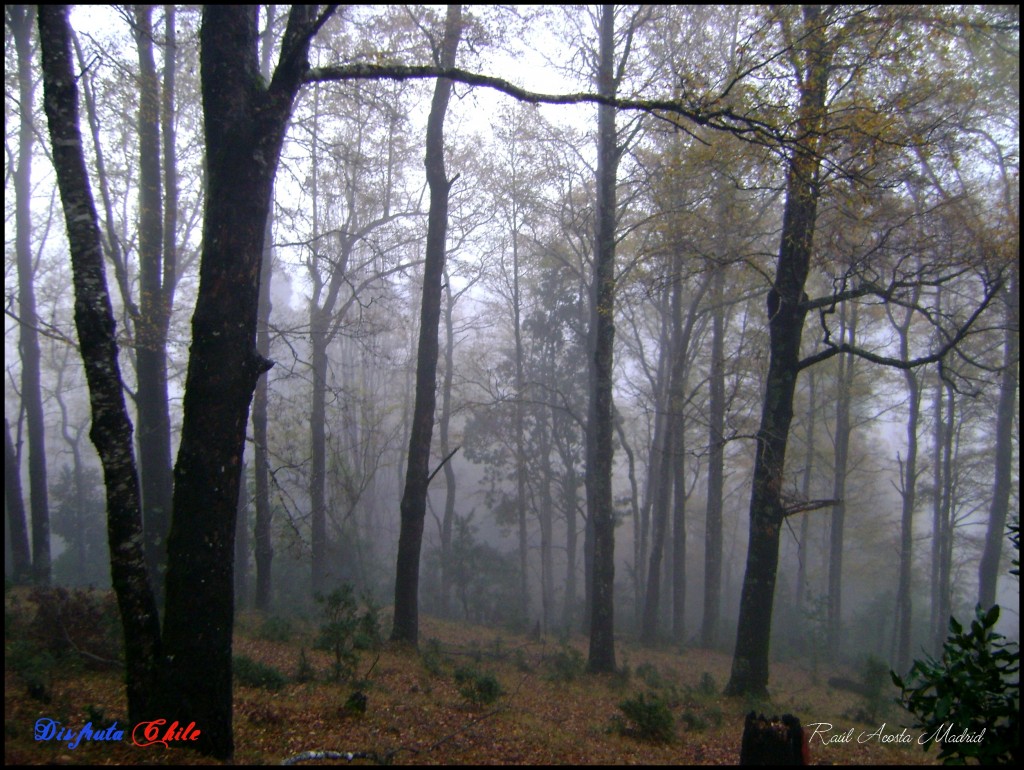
600	509
111	428
826	42
185	673
157	277
20	19
414	498
15	507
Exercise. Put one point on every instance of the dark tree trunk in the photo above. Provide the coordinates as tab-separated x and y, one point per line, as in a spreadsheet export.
842	454
786	321
21	18
242	546
1002	484
94	319
600	449
15	502
448	519
263	550
414	498
679	495
662	469
716	464
244	123
154	429
908	494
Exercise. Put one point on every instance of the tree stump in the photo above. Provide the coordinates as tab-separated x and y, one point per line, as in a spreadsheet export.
773	741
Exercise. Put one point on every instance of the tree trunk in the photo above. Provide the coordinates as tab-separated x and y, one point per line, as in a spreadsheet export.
1002	483
21	18
908	495
414	498
242	547
94	319
263	543
448	518
600	450
786	316
15	502
244	122
716	464
151	323
844	385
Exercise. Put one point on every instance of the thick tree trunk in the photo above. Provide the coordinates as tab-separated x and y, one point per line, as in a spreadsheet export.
414	498
244	122
600	449
786	316
94	319
21	18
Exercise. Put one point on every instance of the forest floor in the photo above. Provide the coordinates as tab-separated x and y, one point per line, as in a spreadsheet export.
420	709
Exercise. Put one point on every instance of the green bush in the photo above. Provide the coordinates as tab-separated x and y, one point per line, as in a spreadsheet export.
346	629
430	656
34	667
974	687
650	676
276	629
650	719
478	688
252	673
304	672
566	665
707	687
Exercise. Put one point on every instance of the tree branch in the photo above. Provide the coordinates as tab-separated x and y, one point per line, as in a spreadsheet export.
721	119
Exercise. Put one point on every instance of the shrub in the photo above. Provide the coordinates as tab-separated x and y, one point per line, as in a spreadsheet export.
566	665
430	656
252	673
78	624
707	687
347	630
650	676
34	667
975	686
276	629
478	688
650	719
304	672
355	705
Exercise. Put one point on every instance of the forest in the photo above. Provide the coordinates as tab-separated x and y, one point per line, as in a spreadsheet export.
663	356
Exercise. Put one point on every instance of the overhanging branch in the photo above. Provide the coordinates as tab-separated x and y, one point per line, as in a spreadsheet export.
721	118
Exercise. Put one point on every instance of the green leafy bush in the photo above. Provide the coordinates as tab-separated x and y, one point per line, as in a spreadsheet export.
707	687
276	629
650	676
347	629
478	688
650	719
252	673
566	665
305	671
974	687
